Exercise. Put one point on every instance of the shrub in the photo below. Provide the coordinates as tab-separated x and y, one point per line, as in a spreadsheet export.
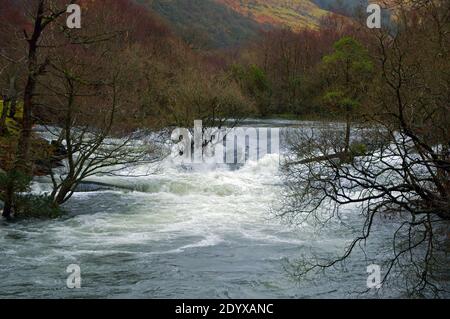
36	206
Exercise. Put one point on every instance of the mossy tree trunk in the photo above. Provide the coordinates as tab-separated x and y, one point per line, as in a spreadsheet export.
3	127
12	94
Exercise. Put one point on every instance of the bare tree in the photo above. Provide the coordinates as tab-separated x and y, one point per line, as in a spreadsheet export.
43	14
82	98
88	147
47	12
71	82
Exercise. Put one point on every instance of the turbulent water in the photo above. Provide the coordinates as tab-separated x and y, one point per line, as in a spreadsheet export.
179	233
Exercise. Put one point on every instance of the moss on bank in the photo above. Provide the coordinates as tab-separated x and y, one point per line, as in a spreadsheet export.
13	125
25	205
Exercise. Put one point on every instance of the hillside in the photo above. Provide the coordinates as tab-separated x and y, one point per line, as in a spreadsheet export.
345	7
227	23
296	14
206	24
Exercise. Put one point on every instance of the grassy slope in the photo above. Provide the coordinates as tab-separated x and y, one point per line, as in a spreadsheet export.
296	14
346	7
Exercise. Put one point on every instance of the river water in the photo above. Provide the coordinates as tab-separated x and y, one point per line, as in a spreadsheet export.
180	233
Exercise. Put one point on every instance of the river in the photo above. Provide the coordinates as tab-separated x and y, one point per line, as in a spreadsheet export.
180	233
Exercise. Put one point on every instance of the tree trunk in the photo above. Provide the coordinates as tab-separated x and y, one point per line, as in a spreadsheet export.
12	92
65	189
23	157
60	198
347	109
347	132
9	194
12	108
3	127
24	145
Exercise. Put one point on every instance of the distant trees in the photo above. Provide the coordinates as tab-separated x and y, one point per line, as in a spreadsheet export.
212	100
289	61
253	80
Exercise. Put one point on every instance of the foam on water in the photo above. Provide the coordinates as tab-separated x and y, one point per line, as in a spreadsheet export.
191	233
